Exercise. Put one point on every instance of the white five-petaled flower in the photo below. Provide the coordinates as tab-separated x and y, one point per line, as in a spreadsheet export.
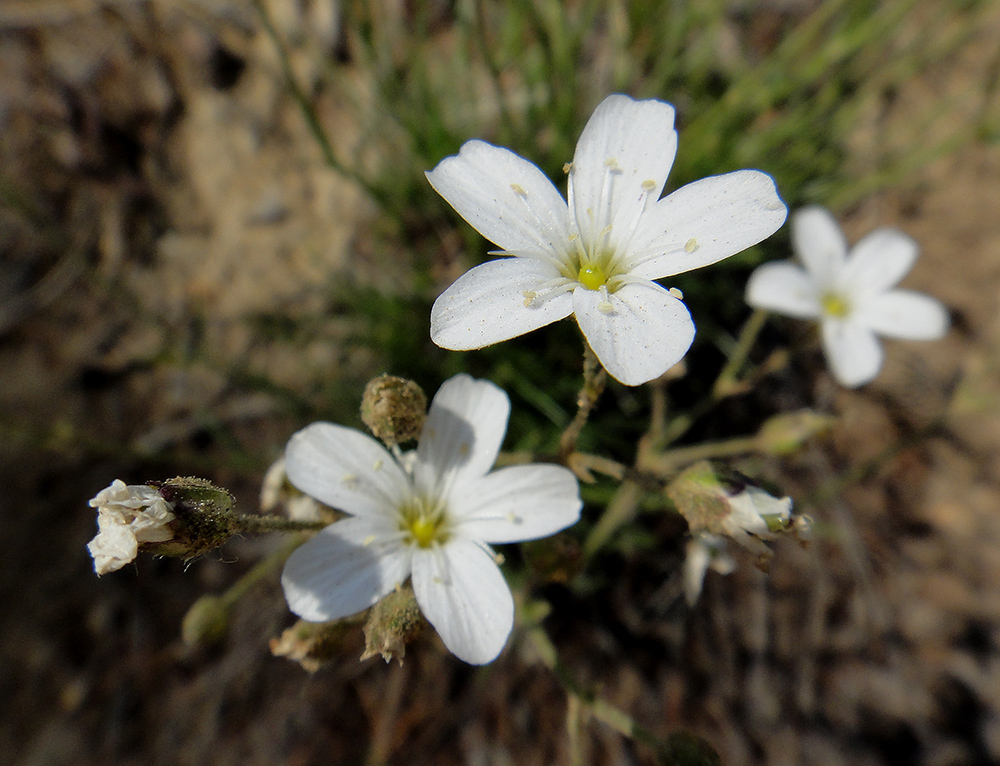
596	254
127	516
851	293
429	517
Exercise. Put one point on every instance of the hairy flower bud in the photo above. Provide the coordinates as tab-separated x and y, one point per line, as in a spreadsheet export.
785	434
394	409
393	622
182	517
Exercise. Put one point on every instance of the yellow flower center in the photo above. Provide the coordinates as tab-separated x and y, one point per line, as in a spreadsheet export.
835	306
592	277
424	524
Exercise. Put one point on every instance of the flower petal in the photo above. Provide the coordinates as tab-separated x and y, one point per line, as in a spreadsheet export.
704	222
505	198
487	304
345	469
345	568
465	597
646	331
820	244
523	502
852	350
620	165
462	436
906	314
879	261
784	288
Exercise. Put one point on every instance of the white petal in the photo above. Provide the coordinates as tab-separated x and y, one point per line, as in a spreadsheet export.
706	221
819	243
620	165
879	261
346	470
487	304
905	314
852	350
646	331
464	596
462	436
504	197
112	548
523	502
784	288
345	568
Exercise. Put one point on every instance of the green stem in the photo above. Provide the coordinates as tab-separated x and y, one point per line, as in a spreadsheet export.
727	382
258	525
594	379
670	462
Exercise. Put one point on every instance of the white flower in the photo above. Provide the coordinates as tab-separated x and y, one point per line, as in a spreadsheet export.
127	516
850	293
704	551
430	519
753	515
597	256
275	491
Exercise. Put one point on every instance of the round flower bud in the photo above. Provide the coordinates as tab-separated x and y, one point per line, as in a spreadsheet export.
394	409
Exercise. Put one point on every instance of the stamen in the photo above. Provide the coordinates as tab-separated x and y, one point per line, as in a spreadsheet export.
691	245
604	305
567	167
519	190
648	185
548	290
368	541
674	291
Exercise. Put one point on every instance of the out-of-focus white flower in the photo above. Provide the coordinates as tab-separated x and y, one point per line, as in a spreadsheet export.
275	491
850	293
596	255
754	516
704	551
429	517
127	516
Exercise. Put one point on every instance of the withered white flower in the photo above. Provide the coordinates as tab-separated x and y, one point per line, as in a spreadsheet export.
754	515
703	552
127	516
850	293
429	516
596	254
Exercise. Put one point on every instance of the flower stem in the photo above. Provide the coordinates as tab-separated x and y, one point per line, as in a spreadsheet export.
670	462
727	382
594	379
258	525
